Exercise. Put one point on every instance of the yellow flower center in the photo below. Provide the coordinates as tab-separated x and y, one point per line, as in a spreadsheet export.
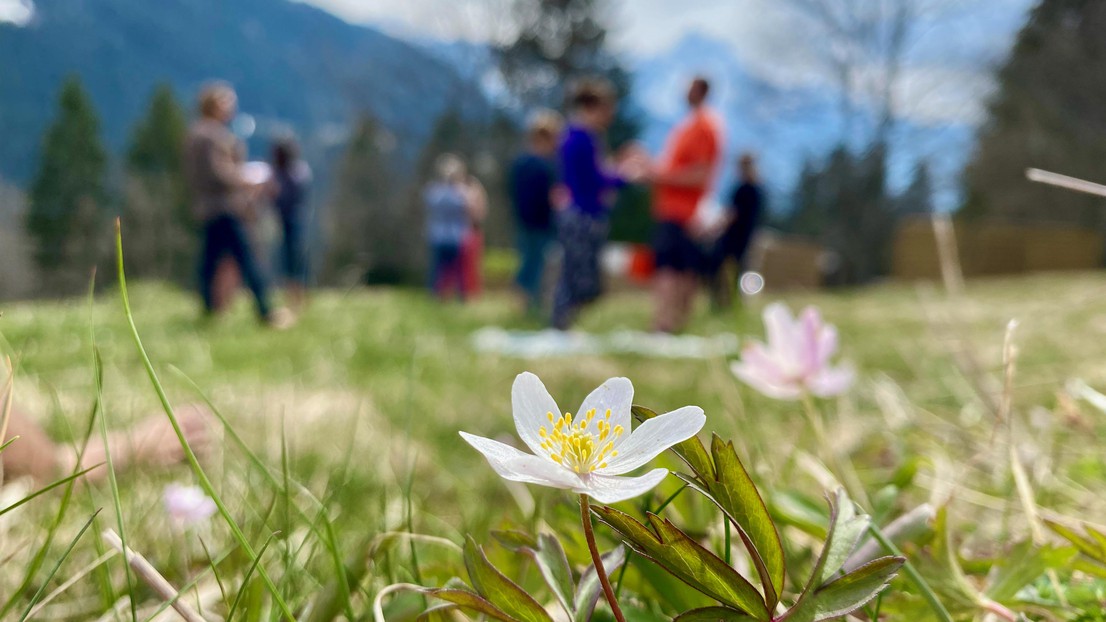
583	445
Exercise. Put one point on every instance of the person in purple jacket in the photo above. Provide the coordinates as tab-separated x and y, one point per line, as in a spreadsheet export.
582	226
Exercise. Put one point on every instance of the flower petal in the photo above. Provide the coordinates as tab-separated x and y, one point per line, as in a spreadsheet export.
760	361
611	489
531	405
653	437
784	343
832	381
616	394
518	466
769	385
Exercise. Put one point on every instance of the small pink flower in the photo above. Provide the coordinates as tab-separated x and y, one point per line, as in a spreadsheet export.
796	361
187	505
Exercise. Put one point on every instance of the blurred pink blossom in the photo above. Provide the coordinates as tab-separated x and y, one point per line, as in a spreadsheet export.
187	505
796	360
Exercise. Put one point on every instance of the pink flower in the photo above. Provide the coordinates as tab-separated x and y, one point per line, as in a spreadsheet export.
796	361
187	505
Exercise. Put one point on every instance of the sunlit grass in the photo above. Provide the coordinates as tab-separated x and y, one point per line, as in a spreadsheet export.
348	427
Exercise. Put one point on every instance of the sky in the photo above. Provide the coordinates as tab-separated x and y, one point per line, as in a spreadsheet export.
950	57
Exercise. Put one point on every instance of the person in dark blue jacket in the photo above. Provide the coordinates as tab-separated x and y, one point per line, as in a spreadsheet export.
533	182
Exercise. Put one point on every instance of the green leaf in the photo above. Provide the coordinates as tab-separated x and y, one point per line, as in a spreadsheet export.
690	451
712	614
1022	565
589	588
553	563
1087	546
471	601
687	560
846	594
438	613
793	508
845	531
737	496
515	540
498	589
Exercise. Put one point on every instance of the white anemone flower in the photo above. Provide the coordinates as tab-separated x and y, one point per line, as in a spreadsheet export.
586	453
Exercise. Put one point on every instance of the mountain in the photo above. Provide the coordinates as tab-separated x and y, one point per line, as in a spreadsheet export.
295	67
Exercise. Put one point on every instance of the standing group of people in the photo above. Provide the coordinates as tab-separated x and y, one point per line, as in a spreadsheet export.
456	205
228	195
563	189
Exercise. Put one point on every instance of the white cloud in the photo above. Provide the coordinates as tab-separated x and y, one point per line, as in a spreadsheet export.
18	12
946	76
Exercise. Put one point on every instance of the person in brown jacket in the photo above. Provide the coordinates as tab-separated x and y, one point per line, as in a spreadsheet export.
222	196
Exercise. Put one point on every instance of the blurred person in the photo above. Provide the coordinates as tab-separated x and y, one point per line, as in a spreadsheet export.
532	184
151	442
222	196
472	246
582	226
291	180
681	180
734	233
447	224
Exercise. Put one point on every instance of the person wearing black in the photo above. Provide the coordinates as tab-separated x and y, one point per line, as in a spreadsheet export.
291	178
533	181
743	211
222	199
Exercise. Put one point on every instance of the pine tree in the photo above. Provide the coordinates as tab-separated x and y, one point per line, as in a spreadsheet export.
158	236
1047	113
559	41
917	198
68	205
844	204
371	236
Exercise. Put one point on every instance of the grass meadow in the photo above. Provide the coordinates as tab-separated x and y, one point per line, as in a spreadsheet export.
342	466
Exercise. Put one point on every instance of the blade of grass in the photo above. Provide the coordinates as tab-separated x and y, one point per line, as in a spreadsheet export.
190	455
40	556
113	483
151	577
246	578
50	577
61	482
212	563
912	573
73	580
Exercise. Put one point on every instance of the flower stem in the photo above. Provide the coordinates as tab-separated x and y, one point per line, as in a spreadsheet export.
589	535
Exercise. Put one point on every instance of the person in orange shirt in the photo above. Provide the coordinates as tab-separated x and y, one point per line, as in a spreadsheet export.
680	182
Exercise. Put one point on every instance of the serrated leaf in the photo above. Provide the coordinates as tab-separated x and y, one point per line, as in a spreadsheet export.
738	497
713	614
589	588
687	560
846	594
1086	545
498	589
471	601
552	562
845	530
690	451
515	540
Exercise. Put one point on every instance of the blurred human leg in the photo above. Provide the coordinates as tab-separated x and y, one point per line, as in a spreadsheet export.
152	442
